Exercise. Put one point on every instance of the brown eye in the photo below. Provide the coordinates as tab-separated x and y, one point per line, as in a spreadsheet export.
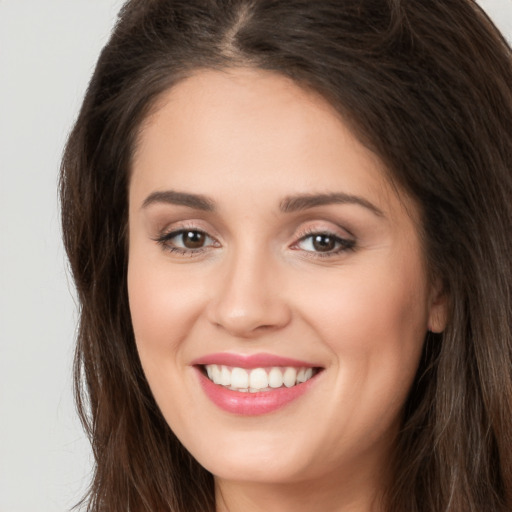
327	244
193	239
323	243
186	241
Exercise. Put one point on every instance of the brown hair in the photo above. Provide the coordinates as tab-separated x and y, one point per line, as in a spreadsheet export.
427	85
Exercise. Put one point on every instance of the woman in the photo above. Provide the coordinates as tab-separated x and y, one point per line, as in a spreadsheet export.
289	226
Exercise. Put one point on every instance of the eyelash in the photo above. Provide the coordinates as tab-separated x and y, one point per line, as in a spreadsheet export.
165	238
344	244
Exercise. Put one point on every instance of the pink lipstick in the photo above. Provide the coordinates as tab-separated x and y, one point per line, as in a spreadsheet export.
254	384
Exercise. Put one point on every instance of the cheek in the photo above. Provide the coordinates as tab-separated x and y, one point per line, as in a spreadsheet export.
374	323
163	308
374	306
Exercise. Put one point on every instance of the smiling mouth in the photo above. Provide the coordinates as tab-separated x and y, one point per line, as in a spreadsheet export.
257	380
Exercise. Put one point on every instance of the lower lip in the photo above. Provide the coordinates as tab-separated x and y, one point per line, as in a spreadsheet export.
252	404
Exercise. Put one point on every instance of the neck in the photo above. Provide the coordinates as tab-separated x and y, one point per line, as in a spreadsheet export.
350	493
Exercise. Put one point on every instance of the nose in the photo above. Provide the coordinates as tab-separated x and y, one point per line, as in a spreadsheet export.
249	299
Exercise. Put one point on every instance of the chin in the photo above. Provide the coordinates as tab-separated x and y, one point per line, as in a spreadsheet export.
260	460
262	471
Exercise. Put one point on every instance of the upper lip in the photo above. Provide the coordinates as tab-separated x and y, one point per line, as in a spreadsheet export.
259	360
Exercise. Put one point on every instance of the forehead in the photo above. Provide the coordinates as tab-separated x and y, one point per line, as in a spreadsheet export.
212	107
252	129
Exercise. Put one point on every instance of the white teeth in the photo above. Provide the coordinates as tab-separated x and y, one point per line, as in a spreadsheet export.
257	379
275	378
304	374
215	373
225	376
239	378
289	377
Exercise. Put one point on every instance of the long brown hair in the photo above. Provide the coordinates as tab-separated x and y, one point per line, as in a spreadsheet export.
427	85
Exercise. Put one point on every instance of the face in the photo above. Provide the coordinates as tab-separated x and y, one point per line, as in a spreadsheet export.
277	285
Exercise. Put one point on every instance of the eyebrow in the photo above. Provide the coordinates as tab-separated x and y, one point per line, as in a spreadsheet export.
289	204
196	201
304	202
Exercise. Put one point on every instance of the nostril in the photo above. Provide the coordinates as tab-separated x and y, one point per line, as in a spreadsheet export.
246	309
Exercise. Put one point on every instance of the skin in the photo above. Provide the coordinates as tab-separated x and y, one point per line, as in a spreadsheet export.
248	139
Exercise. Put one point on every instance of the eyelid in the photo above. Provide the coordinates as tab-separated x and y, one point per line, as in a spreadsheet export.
345	243
166	235
324	227
169	235
192	224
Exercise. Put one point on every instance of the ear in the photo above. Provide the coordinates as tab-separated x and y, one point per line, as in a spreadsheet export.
438	308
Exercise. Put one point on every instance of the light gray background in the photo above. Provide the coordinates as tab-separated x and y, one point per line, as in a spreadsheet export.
47	52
